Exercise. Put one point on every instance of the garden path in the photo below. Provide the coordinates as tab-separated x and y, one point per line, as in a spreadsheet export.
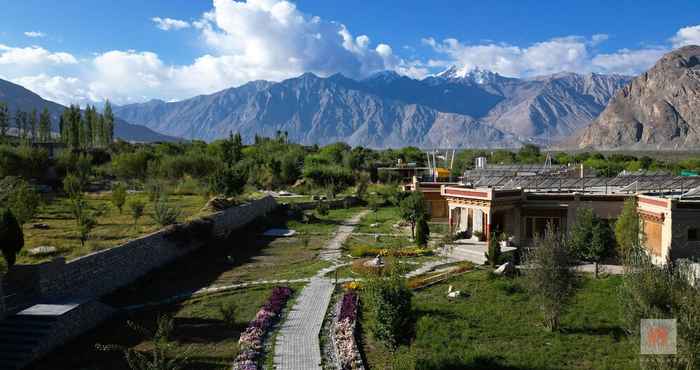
297	344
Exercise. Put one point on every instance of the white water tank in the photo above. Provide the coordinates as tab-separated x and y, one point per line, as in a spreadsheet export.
480	163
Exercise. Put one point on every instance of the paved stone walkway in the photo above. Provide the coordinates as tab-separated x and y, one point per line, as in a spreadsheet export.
297	344
331	252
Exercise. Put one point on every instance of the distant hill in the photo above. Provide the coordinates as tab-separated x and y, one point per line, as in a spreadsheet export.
659	110
452	109
18	97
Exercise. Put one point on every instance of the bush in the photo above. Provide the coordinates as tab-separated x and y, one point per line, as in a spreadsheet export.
664	292
119	196
228	314
155	190
165	214
11	236
229	182
322	208
389	308
549	276
493	254
422	232
20	197
136	206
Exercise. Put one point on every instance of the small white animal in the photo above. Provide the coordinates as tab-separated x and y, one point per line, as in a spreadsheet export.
452	294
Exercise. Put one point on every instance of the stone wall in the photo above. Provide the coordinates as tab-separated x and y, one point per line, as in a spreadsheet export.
101	272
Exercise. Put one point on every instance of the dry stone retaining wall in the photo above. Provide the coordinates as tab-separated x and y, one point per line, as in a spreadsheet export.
101	272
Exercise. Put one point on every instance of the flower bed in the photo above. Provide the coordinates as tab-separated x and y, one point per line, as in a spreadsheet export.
251	340
369	251
343	333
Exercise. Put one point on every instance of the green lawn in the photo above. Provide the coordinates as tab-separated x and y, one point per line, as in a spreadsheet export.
199	331
498	327
112	227
386	217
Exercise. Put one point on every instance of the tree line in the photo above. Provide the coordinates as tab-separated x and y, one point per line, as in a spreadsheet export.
78	129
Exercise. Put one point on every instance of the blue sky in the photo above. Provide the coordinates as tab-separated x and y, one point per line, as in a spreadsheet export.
83	51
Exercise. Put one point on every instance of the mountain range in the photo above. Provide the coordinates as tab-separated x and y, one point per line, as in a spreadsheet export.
657	110
455	108
17	97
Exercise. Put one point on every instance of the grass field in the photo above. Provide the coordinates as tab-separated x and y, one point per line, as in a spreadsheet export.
199	332
386	217
498	327
245	256
112	227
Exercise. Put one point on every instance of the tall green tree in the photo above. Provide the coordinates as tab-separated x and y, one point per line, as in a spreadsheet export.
108	128
21	124
4	120
628	230
412	208
33	125
590	237
45	126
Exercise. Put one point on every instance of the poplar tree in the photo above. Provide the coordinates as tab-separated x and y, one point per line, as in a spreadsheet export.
62	128
45	126
33	124
108	123
4	120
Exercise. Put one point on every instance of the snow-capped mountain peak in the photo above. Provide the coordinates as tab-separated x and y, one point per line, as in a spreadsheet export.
475	74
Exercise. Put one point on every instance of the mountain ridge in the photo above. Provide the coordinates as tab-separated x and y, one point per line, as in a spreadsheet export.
507	110
657	110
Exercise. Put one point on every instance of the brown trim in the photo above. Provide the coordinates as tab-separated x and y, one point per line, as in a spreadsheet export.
466	193
654	202
651	216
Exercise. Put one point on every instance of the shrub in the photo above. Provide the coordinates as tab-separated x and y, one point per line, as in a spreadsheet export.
412	209
229	182
493	253
155	190
161	356
164	214
663	292
549	276
119	196
322	208
422	232
11	236
136	206
388	302
20	197
228	314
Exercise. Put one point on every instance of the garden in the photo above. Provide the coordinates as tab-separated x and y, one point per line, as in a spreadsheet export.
204	333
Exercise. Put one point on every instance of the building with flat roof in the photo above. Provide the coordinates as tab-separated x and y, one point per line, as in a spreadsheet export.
520	201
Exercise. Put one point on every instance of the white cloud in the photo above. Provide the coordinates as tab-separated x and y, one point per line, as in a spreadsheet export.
60	89
167	24
273	40
34	34
628	62
32	56
687	36
571	54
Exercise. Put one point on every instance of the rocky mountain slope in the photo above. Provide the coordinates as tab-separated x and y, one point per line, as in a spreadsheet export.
315	110
658	110
18	97
455	108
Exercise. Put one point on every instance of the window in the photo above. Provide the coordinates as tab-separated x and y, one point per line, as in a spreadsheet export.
692	234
